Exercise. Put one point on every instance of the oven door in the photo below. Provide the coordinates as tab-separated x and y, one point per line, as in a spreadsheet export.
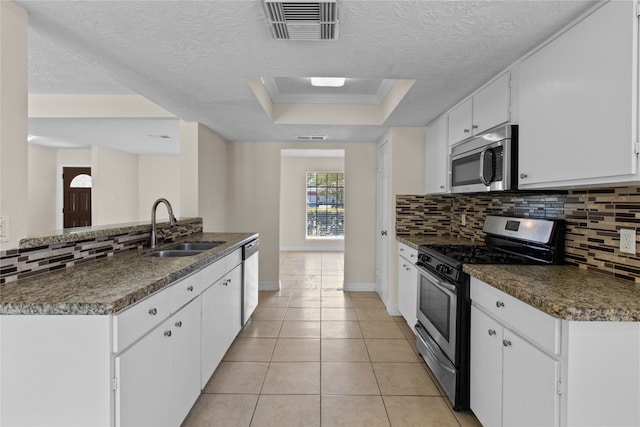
437	310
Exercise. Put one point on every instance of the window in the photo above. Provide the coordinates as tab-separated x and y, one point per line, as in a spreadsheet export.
325	205
81	181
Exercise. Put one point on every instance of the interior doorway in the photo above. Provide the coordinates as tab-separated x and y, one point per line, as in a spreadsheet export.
76	190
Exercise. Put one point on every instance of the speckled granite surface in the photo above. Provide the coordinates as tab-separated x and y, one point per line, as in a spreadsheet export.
565	292
109	285
416	240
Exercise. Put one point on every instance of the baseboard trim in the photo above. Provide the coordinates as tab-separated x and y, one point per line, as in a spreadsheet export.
269	286
360	287
392	310
312	248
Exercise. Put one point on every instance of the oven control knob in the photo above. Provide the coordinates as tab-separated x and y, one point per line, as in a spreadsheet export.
444	269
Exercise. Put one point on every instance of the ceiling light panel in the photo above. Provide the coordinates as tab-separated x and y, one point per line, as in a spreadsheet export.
328	81
303	20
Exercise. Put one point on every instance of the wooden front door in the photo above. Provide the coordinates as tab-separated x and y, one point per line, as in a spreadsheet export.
77	197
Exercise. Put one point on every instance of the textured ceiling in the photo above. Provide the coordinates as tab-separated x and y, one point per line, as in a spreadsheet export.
193	57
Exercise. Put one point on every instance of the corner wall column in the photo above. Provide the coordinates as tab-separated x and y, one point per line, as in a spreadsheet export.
13	122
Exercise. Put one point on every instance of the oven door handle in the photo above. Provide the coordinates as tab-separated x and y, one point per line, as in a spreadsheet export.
439	283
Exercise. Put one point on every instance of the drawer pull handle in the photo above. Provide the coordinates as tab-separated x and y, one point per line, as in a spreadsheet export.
190	288
491	332
499	304
153	311
506	343
179	324
167	333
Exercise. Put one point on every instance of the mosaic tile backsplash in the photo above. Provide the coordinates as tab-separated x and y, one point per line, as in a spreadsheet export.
593	219
19	263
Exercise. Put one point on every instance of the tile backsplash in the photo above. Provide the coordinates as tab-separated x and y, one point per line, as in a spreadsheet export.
593	219
53	255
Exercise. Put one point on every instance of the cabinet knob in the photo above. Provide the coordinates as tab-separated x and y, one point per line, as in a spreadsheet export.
499	304
442	187
167	333
190	288
153	311
179	324
404	265
466	131
412	256
383	233
474	126
225	283
408	269
523	176
506	343
492	332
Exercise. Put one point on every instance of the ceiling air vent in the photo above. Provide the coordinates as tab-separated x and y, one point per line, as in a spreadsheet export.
312	137
303	20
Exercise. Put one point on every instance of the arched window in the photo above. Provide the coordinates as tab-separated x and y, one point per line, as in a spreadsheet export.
81	181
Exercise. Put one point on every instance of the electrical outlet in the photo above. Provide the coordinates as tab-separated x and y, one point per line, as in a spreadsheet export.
4	229
463	219
628	240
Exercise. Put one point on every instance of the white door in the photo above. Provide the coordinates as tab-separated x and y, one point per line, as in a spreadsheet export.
382	247
185	388
530	384
143	396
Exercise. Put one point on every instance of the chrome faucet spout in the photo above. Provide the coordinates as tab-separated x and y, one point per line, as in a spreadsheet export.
172	220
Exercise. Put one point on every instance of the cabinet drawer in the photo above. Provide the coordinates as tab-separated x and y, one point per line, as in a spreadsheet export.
185	290
408	253
517	315
210	274
135	321
233	259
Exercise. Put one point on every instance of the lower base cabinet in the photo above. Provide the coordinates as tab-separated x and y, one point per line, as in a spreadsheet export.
221	321
408	284
140	367
531	369
512	382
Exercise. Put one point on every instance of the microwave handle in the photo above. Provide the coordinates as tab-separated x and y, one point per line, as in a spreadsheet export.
486	152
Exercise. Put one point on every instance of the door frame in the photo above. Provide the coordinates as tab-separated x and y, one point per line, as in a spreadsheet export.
382	223
60	191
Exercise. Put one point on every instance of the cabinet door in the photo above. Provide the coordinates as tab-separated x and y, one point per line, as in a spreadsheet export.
530	384
578	98
143	395
437	157
233	298
213	326
460	122
186	359
407	291
486	369
491	105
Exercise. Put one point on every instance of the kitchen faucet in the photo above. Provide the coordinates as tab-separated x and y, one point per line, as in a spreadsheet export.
172	220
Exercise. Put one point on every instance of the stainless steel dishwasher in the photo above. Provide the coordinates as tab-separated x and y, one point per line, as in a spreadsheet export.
249	279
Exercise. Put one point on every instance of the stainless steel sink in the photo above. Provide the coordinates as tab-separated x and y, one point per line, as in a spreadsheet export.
193	246
173	253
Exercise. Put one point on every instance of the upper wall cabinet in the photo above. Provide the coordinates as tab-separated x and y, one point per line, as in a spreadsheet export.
579	104
489	107
436	157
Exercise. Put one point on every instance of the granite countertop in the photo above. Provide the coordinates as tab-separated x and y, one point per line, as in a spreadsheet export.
565	292
109	285
417	240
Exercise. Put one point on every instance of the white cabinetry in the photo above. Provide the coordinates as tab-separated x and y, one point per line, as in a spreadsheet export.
408	284
579	104
487	108
437	156
514	381
528	368
220	320
139	367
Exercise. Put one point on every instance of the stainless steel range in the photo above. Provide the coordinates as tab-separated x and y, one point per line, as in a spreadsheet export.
443	296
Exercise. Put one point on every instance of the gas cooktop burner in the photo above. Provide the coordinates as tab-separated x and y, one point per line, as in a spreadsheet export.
477	254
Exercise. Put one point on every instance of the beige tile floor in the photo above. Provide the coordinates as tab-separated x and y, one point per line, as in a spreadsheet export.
313	355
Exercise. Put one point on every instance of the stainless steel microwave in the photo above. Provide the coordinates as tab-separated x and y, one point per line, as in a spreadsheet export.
486	162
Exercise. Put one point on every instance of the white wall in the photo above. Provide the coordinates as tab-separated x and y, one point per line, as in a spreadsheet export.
43	173
406	176
212	180
158	176
253	204
293	221
114	197
13	122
